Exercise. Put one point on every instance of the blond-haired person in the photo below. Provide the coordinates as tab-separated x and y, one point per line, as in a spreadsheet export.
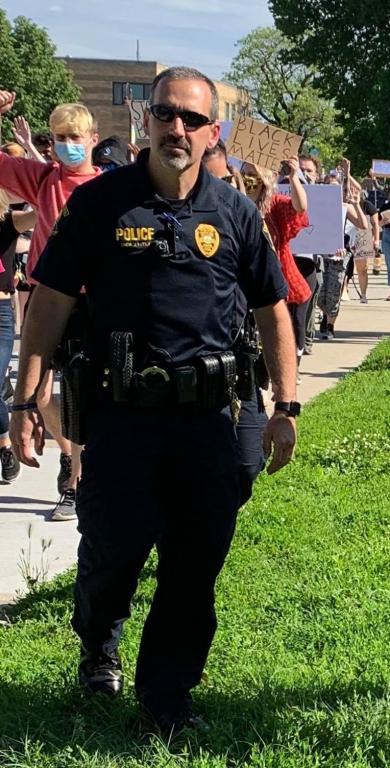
47	187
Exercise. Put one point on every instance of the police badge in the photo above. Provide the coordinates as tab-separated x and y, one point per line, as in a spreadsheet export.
207	239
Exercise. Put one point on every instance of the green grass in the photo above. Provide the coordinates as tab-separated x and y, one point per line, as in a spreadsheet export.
298	676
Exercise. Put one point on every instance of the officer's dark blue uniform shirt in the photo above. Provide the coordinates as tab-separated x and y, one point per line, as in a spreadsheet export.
171	280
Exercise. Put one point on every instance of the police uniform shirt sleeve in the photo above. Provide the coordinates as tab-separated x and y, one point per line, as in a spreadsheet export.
62	264
260	276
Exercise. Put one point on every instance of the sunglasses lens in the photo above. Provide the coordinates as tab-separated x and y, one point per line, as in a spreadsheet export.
191	120
160	112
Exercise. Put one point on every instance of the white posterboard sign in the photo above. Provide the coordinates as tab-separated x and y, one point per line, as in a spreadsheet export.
325	233
137	112
381	168
261	143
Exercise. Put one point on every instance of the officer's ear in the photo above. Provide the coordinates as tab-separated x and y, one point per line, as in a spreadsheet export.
215	132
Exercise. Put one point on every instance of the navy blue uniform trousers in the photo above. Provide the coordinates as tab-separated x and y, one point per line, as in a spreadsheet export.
250	433
147	477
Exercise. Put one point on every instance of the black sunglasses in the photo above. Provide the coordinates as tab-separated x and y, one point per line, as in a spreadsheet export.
191	120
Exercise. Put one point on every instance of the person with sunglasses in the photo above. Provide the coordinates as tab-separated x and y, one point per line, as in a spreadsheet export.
216	161
161	375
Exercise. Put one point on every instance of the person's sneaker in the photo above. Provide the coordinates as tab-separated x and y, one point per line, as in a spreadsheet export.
64	473
308	350
363	299
331	332
101	674
10	466
65	509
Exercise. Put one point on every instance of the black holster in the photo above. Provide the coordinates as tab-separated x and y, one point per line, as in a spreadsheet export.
247	351
76	390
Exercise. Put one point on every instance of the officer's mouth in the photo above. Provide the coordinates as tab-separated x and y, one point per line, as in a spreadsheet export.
174	147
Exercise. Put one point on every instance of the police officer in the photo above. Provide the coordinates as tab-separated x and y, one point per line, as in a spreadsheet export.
160	247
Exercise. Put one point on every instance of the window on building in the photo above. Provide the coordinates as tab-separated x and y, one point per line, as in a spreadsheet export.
139	91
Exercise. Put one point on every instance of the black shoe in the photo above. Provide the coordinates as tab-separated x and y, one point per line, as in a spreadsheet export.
65	509
330	329
64	473
171	725
10	467
323	331
101	674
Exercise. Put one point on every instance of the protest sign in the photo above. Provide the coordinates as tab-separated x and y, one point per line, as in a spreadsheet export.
260	143
381	168
137	112
325	233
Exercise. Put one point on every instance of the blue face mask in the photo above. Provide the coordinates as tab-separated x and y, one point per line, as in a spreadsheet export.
70	154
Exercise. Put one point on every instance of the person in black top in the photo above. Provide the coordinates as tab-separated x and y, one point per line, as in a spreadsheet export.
160	247
12	223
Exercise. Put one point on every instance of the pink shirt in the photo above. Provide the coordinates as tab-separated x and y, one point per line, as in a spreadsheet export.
46	186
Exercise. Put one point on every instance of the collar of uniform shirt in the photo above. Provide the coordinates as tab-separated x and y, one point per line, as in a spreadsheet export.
204	196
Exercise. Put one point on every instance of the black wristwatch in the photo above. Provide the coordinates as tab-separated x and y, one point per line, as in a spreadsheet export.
290	409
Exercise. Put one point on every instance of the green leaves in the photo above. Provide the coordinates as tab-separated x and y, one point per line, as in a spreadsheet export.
347	42
28	66
285	92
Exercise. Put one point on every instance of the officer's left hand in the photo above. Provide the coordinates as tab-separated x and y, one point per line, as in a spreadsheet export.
279	439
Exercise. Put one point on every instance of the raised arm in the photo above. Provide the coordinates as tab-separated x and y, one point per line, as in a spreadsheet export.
355	213
19	175
298	194
22	133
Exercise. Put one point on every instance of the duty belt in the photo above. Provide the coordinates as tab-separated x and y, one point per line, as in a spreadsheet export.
206	382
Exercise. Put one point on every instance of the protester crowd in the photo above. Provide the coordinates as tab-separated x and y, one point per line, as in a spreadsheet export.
64	199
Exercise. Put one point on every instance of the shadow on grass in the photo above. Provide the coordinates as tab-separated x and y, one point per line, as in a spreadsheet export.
57	596
65	718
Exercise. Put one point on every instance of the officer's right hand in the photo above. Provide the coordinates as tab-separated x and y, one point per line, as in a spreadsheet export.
25	427
7	100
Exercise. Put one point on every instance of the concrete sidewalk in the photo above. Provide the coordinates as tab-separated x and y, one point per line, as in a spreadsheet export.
27	502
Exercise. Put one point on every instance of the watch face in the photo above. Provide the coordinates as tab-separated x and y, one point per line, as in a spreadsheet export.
295	408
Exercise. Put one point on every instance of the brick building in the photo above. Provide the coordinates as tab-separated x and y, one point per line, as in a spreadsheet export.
104	81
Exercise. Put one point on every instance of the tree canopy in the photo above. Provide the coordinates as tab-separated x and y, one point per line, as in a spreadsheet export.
28	66
284	92
347	42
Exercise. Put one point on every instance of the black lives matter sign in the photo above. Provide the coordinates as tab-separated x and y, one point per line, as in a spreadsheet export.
260	143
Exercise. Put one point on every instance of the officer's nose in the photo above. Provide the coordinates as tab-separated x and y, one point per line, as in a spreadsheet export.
177	126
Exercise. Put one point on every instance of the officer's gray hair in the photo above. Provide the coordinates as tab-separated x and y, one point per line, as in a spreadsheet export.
187	73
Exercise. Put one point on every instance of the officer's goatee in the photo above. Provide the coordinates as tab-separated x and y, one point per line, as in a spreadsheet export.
169	159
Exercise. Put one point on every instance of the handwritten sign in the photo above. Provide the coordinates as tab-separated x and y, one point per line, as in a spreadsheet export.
381	168
260	143
137	113
325	233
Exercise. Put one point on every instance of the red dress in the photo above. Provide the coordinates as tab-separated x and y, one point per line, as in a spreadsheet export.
284	223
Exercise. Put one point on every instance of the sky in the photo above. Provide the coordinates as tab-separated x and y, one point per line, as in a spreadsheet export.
200	33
